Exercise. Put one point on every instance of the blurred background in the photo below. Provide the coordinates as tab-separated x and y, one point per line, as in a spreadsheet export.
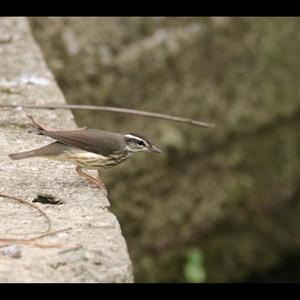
222	204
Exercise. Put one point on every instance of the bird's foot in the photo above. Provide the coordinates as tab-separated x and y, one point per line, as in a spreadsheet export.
94	182
98	185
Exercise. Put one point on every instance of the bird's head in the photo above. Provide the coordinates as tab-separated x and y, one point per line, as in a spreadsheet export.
137	143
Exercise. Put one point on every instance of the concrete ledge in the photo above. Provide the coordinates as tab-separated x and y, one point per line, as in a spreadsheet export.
93	248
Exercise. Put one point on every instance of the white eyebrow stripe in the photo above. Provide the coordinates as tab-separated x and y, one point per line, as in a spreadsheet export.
130	136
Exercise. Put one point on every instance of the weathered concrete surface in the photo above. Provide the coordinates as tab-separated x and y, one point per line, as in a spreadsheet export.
99	250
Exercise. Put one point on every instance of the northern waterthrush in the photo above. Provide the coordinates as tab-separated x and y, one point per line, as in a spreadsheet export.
88	148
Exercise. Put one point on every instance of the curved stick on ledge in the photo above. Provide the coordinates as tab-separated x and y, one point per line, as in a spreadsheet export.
115	109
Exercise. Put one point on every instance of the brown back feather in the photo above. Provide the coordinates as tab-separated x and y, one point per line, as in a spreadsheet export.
91	140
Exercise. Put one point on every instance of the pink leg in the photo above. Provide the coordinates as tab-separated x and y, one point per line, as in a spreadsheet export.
95	182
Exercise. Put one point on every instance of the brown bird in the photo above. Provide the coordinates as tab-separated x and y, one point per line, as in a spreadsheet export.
88	148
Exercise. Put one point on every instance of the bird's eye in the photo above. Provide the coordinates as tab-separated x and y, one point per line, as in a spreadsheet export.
141	143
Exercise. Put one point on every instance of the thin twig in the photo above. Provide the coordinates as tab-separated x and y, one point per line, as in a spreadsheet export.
113	109
31	241
35	207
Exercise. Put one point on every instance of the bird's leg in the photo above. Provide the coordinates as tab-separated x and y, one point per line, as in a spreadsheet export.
39	126
98	178
95	181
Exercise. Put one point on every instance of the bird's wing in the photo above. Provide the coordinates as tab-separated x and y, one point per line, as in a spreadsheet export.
91	140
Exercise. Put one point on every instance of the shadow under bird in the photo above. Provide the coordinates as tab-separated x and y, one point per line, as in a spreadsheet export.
88	148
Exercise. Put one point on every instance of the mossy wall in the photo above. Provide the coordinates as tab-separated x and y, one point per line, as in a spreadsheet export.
231	192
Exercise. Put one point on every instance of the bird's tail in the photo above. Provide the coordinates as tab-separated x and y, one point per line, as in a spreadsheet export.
23	155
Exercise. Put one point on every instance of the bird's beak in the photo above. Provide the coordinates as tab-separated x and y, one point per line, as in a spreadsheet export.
155	149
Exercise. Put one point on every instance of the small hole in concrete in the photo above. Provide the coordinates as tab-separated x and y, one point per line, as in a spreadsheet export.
47	199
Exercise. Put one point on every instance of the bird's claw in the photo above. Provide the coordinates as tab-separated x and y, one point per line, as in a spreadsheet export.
99	186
